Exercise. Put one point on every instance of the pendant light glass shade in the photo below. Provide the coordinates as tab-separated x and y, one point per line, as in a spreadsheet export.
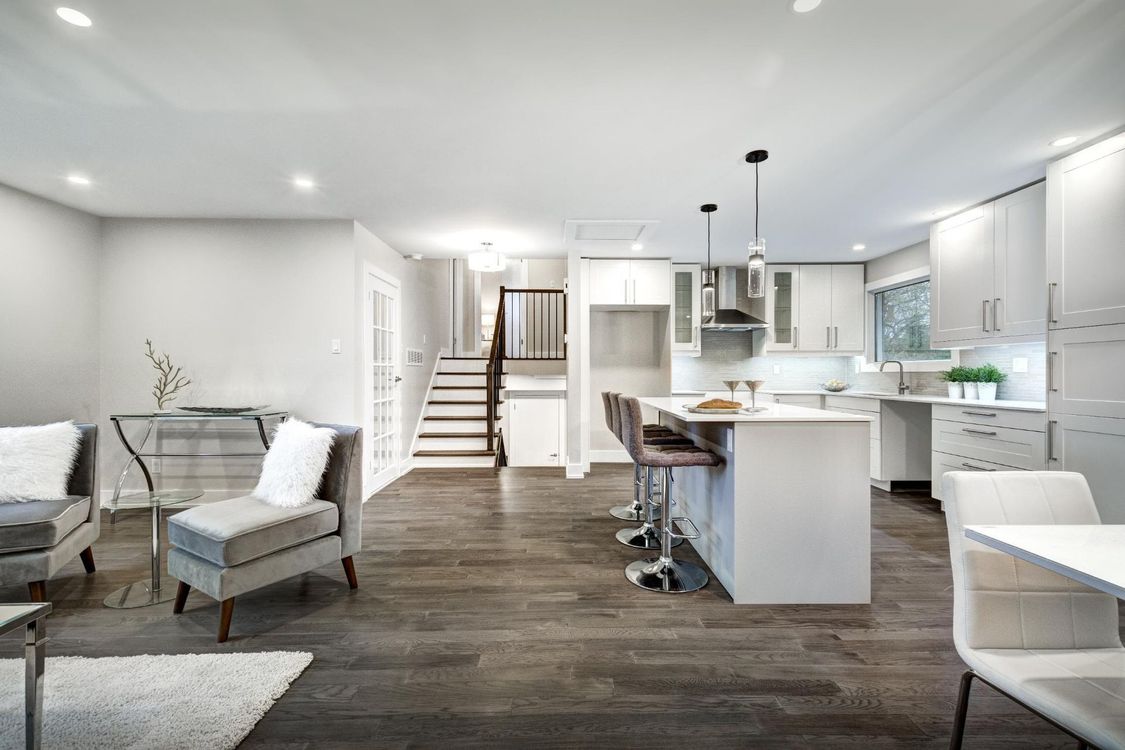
707	295
756	269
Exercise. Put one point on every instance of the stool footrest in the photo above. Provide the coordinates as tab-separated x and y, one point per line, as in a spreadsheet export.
683	522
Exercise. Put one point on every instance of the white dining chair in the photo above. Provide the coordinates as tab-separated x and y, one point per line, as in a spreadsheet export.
1043	640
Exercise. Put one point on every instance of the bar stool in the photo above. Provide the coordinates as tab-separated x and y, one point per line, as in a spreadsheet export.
654	434
663	573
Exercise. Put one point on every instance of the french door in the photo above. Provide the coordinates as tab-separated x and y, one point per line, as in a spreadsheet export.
381	346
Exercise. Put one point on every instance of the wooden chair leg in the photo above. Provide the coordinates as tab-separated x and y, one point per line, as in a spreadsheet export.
37	590
962	711
87	556
181	598
349	571
226	611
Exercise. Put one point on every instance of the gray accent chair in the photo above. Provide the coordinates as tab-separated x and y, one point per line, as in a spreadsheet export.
38	538
232	547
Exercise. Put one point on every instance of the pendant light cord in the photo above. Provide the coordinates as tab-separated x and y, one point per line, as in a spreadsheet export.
755	201
708	242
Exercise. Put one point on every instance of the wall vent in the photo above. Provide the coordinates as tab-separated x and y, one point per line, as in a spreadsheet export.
414	357
609	231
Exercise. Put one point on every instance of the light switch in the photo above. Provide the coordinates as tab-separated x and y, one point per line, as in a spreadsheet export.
335	346
777	369
1019	364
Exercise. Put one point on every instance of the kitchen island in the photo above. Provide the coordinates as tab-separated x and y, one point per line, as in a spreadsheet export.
787	518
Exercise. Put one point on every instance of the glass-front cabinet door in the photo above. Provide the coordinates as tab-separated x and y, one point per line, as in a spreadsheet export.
781	308
687	338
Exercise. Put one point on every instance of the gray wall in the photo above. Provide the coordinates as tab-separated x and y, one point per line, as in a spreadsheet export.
900	261
630	353
48	311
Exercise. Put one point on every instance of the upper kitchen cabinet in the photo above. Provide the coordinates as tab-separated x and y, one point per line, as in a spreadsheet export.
830	314
987	272
630	283
686	309
1086	236
781	308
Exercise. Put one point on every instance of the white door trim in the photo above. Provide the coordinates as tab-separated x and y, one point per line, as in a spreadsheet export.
370	485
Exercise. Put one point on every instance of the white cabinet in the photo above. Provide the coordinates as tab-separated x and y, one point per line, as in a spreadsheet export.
1086	236
686	309
798	399
830	308
621	283
782	302
988	272
1084	372
985	438
537	430
1094	447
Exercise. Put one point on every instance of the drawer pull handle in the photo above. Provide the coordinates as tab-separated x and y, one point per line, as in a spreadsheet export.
1051	440
980	413
978	432
1051	372
976	468
1051	320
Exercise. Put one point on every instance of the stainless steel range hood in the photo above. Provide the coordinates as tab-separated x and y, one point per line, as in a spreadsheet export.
733	309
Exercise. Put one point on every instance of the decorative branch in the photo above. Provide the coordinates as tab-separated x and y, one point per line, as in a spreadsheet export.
168	381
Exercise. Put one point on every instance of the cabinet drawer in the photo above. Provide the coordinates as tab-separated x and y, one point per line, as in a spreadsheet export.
847	403
876	423
987	414
944	462
1019	449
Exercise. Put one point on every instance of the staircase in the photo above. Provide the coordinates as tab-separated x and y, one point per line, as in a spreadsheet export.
455	426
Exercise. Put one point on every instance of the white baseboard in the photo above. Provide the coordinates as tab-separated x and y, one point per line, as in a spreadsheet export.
617	456
574	471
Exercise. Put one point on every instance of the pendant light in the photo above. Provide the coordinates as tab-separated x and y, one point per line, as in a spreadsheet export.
487	260
756	263
707	295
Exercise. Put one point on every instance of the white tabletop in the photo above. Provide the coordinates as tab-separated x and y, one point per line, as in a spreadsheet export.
1090	554
771	412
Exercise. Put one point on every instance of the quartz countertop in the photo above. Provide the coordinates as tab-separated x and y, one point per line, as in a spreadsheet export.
673	407
744	396
535	385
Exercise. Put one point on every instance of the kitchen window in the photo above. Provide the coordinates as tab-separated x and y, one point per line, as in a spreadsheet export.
902	324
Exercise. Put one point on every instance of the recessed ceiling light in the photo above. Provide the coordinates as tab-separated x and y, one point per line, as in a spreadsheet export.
859	246
804	6
637	247
78	179
74	17
303	183
1065	140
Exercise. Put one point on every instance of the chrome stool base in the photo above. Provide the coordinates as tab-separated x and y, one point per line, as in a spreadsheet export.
645	537
629	513
666	575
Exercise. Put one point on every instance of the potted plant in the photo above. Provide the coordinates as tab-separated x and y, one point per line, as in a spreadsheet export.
969	381
952	378
988	377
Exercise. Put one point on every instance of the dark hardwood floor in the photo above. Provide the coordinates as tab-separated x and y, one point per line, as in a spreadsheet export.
493	612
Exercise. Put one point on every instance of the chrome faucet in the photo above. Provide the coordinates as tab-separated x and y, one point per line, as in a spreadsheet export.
902	386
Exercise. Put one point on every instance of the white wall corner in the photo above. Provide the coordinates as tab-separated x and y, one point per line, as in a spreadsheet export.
574	471
613	456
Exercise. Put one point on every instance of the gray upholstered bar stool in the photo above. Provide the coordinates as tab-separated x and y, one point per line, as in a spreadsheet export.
663	573
655	434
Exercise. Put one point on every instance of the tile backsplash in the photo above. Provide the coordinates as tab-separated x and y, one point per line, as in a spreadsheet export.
728	356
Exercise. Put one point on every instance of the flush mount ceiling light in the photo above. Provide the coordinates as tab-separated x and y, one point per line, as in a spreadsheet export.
74	17
804	6
707	295
1065	140
637	247
303	183
487	260
78	179
859	246
756	263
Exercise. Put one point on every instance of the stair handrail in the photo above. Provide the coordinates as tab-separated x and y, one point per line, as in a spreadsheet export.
494	371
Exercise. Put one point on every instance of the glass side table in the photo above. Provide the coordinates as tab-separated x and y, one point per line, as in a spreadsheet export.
33	618
146	593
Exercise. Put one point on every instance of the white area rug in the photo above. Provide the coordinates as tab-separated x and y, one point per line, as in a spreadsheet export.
197	701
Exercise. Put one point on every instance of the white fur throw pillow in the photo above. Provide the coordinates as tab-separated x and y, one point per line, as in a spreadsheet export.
294	464
35	462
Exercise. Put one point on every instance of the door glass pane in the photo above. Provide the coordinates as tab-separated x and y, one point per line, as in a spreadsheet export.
684	293
783	307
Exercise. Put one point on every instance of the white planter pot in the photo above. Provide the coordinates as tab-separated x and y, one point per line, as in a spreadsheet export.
955	390
970	391
986	391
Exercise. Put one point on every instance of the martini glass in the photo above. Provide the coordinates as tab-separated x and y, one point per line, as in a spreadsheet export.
731	384
754	385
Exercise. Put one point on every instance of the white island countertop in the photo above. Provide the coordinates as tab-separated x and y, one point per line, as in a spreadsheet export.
771	412
916	398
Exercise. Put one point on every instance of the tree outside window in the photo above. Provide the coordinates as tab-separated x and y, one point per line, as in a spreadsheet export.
902	324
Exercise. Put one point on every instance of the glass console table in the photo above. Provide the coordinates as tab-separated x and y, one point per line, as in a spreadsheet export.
33	619
138	454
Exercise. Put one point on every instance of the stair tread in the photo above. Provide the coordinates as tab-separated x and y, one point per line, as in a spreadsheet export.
454	453
476	358
460	387
482	373
440	435
460	419
462	403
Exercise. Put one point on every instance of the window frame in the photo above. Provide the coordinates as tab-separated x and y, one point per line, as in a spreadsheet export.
868	362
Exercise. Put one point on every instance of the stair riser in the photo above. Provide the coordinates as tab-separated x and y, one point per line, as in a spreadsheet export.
475	380
466	425
441	394
452	444
463	365
453	462
455	410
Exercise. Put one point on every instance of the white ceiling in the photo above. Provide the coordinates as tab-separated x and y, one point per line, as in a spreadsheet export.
440	123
